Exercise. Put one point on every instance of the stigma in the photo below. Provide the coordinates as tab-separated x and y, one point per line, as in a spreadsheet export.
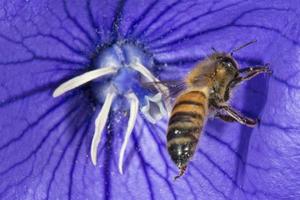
118	74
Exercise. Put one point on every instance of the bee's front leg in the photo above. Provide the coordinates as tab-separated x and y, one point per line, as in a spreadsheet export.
249	73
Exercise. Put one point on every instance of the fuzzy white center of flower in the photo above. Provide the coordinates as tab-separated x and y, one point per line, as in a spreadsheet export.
116	64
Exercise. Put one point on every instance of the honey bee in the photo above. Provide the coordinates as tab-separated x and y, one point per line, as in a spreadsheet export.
207	90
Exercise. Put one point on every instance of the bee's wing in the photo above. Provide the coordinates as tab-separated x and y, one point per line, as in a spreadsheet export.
168	88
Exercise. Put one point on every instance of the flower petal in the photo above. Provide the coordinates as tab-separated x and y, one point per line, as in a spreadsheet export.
45	142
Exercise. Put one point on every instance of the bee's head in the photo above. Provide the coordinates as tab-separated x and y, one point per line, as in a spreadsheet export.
226	64
226	60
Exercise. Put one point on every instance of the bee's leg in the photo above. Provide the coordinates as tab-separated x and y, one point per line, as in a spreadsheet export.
226	118
250	72
239	117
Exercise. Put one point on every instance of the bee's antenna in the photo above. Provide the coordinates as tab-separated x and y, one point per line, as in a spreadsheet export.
244	45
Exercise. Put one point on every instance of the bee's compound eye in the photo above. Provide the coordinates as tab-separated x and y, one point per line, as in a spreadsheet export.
227	64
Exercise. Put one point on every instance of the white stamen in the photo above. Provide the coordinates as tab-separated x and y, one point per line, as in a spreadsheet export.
100	124
148	109
82	79
160	87
134	105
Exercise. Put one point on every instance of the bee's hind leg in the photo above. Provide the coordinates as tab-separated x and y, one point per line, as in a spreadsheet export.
233	115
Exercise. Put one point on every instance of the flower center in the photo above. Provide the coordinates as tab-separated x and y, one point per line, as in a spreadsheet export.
122	71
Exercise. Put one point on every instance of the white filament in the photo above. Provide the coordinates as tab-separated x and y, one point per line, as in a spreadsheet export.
160	87
100	124
82	79
134	105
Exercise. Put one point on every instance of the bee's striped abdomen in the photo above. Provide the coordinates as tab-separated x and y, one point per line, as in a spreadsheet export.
185	124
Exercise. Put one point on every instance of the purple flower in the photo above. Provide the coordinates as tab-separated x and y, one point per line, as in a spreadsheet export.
46	147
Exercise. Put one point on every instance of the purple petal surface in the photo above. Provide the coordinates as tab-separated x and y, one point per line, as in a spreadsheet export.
45	142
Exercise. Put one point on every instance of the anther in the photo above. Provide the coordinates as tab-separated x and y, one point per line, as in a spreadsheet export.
154	109
160	87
